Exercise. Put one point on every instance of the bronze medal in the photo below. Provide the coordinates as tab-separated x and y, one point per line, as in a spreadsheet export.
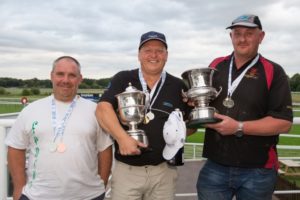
146	120
61	148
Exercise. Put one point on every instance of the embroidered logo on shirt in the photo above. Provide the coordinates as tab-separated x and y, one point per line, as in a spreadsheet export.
168	104
252	73
36	150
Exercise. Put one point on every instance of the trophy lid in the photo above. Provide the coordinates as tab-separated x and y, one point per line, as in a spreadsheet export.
130	90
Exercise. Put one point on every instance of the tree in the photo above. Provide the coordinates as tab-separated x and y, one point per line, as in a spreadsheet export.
25	92
103	83
35	91
2	90
295	82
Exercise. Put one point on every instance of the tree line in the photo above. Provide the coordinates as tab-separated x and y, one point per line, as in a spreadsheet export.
46	83
96	83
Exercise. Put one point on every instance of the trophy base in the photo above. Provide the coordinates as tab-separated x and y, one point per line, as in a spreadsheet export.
197	123
139	135
202	115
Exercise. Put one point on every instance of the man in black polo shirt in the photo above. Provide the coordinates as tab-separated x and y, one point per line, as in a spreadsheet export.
146	175
255	107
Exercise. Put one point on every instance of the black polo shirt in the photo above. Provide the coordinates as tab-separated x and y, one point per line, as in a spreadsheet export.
263	91
167	101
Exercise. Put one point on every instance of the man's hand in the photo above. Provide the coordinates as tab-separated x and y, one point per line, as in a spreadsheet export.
186	99
227	126
128	146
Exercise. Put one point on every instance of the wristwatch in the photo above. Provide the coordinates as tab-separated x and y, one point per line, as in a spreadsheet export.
239	132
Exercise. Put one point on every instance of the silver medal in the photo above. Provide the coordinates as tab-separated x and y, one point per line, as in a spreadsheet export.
52	147
150	115
228	102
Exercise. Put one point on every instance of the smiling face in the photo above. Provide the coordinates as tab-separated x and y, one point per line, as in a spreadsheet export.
246	41
153	56
65	78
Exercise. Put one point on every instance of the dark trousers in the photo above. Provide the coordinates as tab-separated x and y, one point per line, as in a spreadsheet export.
101	197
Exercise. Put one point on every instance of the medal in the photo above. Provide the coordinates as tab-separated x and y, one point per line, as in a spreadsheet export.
61	147
52	147
150	115
150	98
59	128
146	120
228	102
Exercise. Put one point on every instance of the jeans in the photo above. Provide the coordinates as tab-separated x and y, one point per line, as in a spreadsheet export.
218	182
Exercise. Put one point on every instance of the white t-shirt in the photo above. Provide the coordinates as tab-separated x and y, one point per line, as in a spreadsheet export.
72	174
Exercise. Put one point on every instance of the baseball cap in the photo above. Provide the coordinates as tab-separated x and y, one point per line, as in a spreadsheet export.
251	21
152	35
174	133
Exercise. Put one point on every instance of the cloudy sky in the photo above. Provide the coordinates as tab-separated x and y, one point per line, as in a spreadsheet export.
104	35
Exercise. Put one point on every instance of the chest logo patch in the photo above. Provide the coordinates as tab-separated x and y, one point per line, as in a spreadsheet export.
252	73
168	104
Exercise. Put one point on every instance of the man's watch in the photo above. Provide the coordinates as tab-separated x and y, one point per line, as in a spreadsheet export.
239	132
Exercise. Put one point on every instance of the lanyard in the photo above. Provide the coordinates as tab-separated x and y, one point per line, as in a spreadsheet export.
145	90
232	86
60	128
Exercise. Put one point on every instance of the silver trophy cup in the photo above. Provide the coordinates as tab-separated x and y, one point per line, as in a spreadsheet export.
131	106
201	93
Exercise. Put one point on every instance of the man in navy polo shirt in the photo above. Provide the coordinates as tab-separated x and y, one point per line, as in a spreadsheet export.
136	175
255	107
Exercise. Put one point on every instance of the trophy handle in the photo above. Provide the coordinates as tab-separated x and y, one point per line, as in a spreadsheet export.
184	94
218	93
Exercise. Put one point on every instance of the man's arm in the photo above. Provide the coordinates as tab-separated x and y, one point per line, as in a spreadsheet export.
16	165
105	163
108	120
266	126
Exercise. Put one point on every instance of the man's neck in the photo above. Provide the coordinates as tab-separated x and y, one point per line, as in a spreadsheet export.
151	79
241	60
63	99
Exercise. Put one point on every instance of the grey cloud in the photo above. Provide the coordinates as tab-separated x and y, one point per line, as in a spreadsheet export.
104	35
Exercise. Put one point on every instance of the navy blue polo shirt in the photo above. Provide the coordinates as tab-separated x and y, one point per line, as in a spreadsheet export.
167	101
263	91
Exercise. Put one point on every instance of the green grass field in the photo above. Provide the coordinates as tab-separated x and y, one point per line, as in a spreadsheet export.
14	96
10	108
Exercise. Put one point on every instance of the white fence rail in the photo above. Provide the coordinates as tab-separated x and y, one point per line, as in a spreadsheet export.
5	124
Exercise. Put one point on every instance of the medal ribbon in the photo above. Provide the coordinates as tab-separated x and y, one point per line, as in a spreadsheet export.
232	86
59	130
145	90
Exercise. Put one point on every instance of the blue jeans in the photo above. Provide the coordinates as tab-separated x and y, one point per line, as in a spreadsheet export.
218	182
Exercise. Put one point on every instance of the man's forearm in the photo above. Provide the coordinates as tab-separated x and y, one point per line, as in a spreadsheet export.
16	165
108	120
105	164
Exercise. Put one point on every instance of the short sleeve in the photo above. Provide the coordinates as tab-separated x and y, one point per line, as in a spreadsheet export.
104	140
18	137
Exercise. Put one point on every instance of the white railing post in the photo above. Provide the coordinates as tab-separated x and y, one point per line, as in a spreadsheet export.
3	164
4	124
194	153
